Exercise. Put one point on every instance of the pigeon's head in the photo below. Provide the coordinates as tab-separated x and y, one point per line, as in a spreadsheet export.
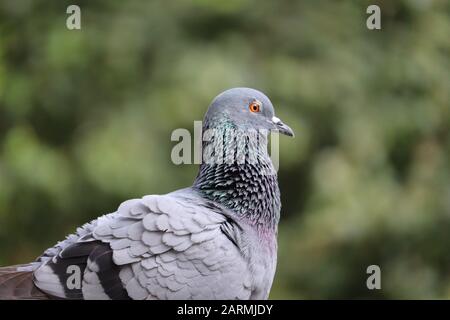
246	109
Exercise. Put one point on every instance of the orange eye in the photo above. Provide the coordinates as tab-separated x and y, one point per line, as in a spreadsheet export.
255	106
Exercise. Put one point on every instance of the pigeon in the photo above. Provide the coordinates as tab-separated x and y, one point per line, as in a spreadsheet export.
214	240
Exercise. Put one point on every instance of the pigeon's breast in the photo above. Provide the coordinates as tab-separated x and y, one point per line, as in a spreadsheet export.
260	249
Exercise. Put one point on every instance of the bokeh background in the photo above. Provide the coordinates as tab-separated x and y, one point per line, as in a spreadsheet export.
86	118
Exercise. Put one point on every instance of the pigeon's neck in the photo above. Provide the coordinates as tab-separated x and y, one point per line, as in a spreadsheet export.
238	173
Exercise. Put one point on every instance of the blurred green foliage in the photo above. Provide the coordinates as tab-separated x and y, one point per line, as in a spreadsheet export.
86	118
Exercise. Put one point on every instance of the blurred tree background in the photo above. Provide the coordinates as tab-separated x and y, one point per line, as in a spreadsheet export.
86	118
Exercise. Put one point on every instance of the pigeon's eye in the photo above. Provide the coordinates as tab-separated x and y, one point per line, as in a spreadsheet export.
255	106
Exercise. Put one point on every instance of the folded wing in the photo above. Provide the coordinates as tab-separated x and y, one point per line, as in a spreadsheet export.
174	246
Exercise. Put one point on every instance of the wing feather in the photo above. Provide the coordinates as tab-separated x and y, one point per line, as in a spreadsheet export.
158	247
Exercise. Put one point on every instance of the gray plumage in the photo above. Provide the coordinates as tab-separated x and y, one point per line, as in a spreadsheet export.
214	240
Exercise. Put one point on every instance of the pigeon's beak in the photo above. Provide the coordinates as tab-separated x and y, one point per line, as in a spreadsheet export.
282	128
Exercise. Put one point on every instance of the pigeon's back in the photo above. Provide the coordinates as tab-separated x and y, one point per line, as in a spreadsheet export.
175	246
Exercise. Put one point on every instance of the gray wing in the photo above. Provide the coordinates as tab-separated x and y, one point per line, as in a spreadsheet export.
173	246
